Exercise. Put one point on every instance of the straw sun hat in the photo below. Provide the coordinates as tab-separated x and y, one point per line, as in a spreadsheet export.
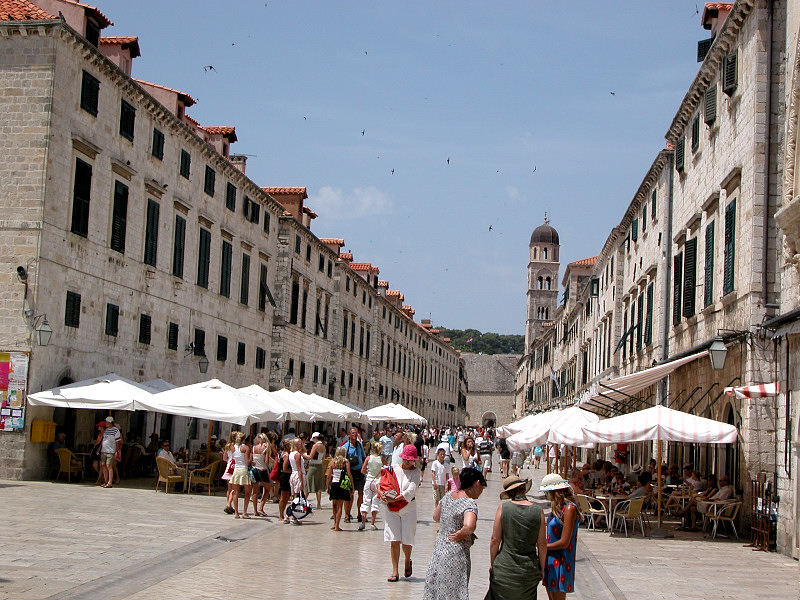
513	485
553	482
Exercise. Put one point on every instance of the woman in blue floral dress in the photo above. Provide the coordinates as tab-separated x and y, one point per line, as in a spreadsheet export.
562	537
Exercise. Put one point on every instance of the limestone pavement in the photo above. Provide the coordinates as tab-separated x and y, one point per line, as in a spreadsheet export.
75	541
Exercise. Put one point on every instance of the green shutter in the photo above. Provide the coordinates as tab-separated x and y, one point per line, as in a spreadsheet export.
90	93
144	329
230	197
703	46
179	246
644	217
112	319
677	274
635	230
730	247
81	195
225	270
639	319
151	234
679	154
708	288
695	133
203	258
119	217
172	336
244	291
648	325
653	197
689	278
729	74
711	104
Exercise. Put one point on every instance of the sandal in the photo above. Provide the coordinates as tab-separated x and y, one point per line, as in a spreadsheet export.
408	569
394	578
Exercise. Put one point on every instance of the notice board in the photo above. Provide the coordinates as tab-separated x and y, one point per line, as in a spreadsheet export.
13	383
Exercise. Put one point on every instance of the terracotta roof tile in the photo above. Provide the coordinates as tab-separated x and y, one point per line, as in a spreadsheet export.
272	191
22	10
332	241
584	262
310	212
357	266
187	99
101	18
346	255
226	131
383	284
374	270
131	41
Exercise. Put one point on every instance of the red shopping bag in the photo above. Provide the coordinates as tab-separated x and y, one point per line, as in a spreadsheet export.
389	487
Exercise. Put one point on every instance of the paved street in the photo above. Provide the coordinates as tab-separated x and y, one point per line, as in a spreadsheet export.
80	541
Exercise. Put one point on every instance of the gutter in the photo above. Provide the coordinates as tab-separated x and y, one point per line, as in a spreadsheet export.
767	166
667	313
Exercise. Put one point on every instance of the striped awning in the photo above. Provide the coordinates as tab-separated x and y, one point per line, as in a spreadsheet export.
762	390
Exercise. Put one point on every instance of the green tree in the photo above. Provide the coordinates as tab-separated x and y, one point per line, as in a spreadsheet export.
474	341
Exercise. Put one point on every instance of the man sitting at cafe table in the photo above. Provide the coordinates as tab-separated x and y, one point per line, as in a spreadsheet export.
700	503
174	469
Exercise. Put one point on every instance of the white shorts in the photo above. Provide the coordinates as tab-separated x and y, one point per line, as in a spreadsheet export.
401	526
294	483
371	501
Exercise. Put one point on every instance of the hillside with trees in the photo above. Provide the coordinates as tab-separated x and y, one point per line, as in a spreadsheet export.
472	340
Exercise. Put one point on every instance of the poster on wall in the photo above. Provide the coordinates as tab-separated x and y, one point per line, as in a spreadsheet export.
13	383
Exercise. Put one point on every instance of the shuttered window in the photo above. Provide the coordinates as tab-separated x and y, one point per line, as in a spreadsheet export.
244	288
648	324
144	329
81	195
127	120
679	154
710	114
644	217
729	74
653	197
730	247
696	133
199	342
639	321
172	336
119	217
621	343
635	230
225	270
266	222
261	358
203	257
262	288
90	93
158	144
230	197
708	287
241	352
210	181
72	310
186	164
703	46
689	277
222	348
112	319
178	247
677	277
295	305
151	233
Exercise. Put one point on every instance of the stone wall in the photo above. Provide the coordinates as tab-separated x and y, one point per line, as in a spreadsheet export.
491	387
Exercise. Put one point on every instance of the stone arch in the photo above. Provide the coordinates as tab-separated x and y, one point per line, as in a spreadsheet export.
535	253
64	377
548	283
488	419
544	253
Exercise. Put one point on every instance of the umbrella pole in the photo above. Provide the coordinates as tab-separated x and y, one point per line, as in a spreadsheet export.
659	532
208	445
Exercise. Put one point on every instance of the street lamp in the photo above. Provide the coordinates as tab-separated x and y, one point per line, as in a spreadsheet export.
43	331
287	379
717	353
344	389
203	364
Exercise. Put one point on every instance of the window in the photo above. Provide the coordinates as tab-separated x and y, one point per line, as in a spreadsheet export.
644	217
302	370
252	210
240	353
72	313
677	275
172	336
330	268
635	230
298	245
225	270
648	324
81	195
679	154
222	348
344	331
729	74
304	310
230	197
308	253
653	196
689	277
90	93
92	32
186	164
711	104
144	328
295	302
179	244
315	376
112	319
262	288
708	287
210	181
730	248
703	46
261	358
321	263
199	342
695	133
158	145
244	290
203	257
119	217
127	119
266	222
151	234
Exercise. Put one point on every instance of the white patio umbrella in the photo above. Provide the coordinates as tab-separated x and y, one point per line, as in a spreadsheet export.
108	392
320	404
394	413
534	433
563	427
525	422
290	408
303	405
215	401
158	385
660	423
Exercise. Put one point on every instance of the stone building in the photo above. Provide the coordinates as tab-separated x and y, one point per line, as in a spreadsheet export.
134	234
490	399
696	257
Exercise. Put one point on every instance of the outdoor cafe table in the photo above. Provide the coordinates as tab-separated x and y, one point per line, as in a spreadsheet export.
609	502
187	466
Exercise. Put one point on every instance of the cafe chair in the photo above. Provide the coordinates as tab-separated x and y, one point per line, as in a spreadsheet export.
629	510
589	512
164	476
722	513
67	463
207	476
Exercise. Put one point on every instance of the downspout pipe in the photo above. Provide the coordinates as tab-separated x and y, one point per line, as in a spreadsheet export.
765	263
667	312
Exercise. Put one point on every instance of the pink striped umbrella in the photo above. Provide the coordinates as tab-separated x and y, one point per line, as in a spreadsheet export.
762	390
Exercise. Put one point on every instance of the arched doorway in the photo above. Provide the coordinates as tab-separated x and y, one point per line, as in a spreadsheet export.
730	456
489	419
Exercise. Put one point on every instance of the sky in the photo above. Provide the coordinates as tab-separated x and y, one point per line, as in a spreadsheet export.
435	136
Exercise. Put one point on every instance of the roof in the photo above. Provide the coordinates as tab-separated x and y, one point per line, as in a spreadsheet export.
383	284
544	234
103	20
228	131
711	11
22	10
359	266
332	241
346	255
129	41
186	98
285	191
310	212
584	262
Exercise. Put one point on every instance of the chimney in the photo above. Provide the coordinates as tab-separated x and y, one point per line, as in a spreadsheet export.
239	162
714	15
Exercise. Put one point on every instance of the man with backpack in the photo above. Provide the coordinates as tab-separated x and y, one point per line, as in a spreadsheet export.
356	456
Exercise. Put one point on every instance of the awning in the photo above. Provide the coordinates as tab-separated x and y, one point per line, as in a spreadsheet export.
108	392
395	413
620	389
763	390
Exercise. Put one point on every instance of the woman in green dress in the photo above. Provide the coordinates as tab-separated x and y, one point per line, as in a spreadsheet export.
518	548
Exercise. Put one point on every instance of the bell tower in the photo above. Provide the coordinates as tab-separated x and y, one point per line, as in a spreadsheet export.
543	266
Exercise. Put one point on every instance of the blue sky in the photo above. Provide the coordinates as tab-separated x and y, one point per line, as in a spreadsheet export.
334	96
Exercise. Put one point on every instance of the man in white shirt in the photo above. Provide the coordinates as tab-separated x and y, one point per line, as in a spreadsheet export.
460	436
165	453
439	475
112	442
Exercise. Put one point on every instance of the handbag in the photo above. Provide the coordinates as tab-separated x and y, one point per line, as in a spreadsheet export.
299	508
388	486
273	474
252	474
229	469
346	483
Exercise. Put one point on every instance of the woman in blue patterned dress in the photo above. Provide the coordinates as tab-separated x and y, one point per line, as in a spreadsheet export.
562	537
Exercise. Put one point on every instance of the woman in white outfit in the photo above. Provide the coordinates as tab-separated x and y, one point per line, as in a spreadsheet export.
401	525
297	480
372	469
240	478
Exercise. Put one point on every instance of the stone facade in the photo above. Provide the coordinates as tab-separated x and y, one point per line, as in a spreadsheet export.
490	400
697	255
146	247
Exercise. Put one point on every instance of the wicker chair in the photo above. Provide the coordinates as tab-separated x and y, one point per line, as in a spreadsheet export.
66	464
588	511
207	476
164	467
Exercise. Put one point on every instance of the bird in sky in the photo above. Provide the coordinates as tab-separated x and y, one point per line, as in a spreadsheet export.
612	93
392	171
208	68
448	160
490	228
534	168
363	131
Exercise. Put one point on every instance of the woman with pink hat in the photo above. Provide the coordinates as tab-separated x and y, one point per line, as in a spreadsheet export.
401	525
